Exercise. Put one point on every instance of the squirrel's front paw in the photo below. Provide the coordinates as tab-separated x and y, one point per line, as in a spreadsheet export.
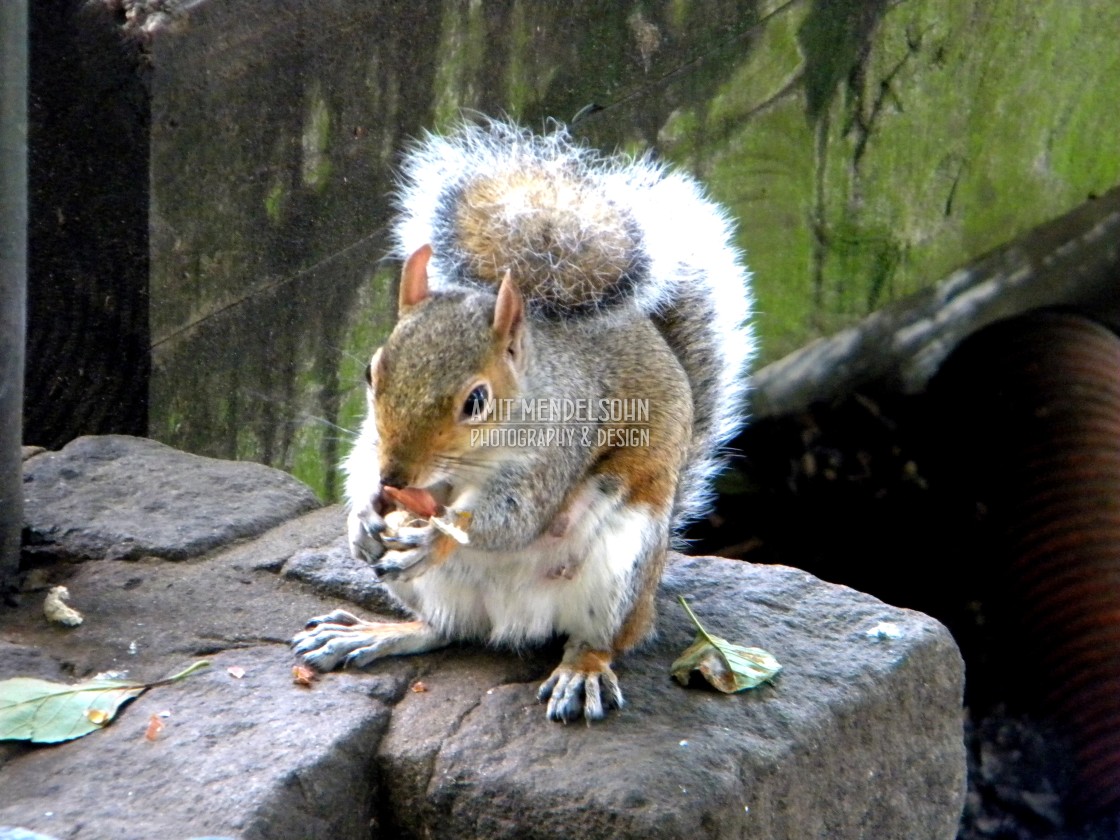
405	537
408	548
583	685
365	528
402	565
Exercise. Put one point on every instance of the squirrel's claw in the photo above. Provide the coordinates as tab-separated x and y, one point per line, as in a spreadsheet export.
365	528
335	617
587	688
326	644
401	565
407	538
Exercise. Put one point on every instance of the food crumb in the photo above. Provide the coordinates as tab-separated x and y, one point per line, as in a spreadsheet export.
57	611
885	630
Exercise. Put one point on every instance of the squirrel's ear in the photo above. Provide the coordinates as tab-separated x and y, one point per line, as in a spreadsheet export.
374	367
509	315
414	277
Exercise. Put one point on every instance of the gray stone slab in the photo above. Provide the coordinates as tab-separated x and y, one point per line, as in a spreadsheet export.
116	496
332	571
859	737
256	757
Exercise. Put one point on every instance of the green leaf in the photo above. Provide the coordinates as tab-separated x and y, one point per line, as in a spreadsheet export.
45	712
727	666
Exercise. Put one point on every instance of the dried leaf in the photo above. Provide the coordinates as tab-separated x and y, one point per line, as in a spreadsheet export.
155	727
45	712
727	666
302	675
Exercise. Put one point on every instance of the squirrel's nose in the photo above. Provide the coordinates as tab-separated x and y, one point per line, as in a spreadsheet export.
394	476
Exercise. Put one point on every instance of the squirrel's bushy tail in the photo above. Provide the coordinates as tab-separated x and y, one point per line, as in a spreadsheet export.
706	321
585	233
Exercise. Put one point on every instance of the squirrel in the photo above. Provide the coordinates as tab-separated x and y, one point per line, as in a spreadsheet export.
568	364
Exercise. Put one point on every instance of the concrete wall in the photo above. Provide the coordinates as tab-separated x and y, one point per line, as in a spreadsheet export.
868	149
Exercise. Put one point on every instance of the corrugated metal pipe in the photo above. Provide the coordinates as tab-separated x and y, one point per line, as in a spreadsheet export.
1039	398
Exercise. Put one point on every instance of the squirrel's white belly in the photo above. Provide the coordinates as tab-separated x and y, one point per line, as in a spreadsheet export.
581	584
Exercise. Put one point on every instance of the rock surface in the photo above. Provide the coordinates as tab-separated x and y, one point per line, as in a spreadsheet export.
120	497
859	737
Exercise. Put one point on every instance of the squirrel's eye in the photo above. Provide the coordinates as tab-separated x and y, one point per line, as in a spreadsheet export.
475	405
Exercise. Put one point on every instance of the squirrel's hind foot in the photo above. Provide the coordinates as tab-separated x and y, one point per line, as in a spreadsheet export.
341	638
583	685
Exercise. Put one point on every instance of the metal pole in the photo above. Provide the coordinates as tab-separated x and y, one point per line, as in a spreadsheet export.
13	273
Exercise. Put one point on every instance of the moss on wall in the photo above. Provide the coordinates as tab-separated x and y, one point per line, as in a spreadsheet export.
866	147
